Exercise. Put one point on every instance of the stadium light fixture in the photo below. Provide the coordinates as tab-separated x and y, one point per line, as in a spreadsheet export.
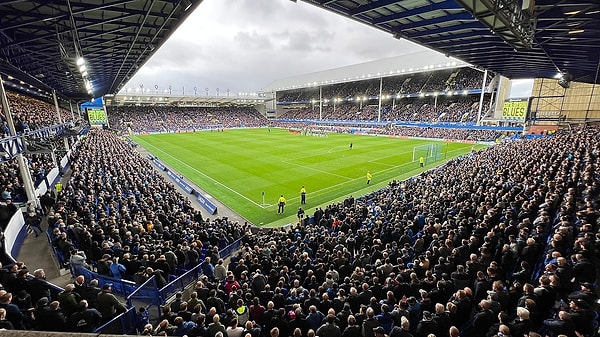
186	5
80	61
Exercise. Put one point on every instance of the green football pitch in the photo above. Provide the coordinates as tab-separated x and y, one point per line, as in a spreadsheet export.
248	169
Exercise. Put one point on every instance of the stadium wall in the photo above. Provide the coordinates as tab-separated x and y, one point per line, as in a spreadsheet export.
502	93
579	102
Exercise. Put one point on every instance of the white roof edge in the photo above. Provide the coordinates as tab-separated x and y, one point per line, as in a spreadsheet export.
393	66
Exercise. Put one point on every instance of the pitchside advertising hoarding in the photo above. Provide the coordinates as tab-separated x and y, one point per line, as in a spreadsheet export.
515	109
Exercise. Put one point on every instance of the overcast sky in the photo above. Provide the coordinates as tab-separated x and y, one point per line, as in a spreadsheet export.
243	45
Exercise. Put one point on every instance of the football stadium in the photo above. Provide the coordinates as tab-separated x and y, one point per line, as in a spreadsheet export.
412	195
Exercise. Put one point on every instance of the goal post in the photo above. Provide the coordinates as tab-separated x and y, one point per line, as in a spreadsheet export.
431	153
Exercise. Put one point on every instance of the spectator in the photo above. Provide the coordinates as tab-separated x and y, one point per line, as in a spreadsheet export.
108	305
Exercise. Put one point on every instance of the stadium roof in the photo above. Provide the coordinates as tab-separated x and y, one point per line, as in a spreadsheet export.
41	42
393	66
135	97
548	37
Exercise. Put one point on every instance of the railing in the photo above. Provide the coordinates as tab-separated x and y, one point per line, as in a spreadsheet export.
231	248
148	294
119	287
178	284
122	324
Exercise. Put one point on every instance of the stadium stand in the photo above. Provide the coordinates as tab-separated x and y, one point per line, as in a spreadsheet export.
422	82
31	114
511	228
171	119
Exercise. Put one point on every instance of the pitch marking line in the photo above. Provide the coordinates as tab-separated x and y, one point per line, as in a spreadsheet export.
208	177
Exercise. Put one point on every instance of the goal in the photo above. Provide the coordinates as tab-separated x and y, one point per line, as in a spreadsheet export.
431	153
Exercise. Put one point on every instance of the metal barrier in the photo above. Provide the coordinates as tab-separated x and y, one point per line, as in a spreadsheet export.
147	294
120	287
178	284
122	324
230	249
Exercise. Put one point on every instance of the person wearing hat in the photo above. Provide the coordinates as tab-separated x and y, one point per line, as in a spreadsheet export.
586	293
427	326
108	304
379	332
7	210
582	316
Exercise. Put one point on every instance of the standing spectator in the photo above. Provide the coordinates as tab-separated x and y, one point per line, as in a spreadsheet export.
34	221
370	324
85	319
427	326
108	304
216	326
220	271
77	261
5	324
207	268
117	269
38	287
233	330
69	300
7	209
563	325
329	328
13	313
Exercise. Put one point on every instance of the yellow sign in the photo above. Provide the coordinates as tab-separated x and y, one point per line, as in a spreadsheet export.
515	109
97	116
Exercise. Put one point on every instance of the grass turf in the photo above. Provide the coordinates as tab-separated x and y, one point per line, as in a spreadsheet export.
237	166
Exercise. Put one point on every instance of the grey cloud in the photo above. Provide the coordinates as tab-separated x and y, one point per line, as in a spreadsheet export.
245	44
253	40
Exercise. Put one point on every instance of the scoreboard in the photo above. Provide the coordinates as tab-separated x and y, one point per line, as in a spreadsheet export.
515	109
97	116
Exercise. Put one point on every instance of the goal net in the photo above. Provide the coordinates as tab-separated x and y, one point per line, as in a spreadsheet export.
431	153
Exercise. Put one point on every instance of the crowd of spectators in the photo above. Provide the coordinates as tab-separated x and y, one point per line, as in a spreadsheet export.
175	119
468	78
442	133
459	109
424	82
30	114
502	241
117	215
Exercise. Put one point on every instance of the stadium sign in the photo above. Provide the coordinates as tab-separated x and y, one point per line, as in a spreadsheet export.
515	109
